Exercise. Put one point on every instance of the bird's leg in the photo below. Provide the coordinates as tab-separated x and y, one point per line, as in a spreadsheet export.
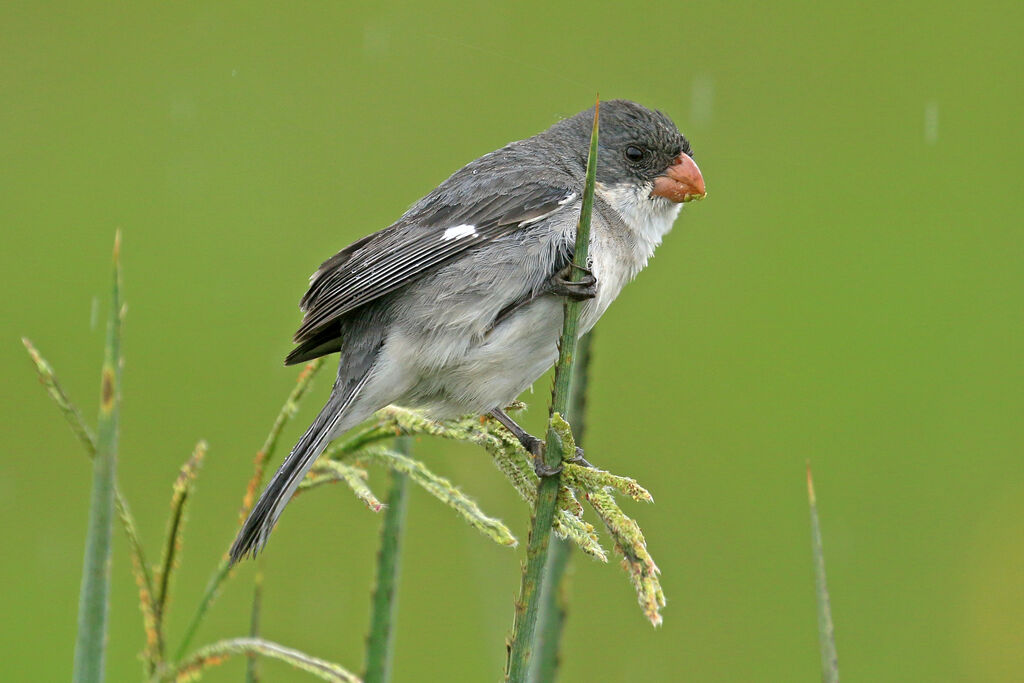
532	444
585	288
535	446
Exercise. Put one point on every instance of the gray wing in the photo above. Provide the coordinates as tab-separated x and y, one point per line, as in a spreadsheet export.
434	232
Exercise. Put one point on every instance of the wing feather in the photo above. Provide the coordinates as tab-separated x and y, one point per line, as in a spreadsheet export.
391	258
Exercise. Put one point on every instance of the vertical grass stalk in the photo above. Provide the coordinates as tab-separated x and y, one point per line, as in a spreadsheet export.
380	641
553	602
553	612
93	602
826	630
180	494
140	568
547	490
252	667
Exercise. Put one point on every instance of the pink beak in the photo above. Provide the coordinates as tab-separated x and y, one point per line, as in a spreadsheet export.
682	182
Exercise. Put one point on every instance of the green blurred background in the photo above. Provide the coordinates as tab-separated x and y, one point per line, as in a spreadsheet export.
850	293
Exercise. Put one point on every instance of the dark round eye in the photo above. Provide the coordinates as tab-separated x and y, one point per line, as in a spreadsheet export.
634	153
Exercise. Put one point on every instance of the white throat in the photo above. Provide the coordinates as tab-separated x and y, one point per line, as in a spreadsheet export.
649	218
620	249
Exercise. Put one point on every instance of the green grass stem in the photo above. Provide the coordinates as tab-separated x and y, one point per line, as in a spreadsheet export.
252	666
93	599
554	601
180	493
526	608
140	567
380	642
826	630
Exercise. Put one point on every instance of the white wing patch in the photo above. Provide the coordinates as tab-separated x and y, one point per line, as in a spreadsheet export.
458	231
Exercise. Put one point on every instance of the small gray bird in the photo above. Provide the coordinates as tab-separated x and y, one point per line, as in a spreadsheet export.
456	308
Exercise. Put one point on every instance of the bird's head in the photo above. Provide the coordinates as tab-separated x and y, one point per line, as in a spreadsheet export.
638	147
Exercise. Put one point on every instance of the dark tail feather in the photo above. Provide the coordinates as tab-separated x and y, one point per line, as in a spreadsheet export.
256	529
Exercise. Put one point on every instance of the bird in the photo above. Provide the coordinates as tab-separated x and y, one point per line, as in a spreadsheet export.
456	308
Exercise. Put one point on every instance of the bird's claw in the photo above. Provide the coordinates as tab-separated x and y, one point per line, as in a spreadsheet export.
580	290
542	469
536	448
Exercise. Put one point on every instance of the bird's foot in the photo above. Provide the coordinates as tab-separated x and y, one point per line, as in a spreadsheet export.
535	447
580	290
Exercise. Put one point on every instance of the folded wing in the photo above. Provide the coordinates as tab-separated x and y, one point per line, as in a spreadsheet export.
432	233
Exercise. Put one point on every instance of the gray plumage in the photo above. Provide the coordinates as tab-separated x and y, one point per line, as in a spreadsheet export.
450	308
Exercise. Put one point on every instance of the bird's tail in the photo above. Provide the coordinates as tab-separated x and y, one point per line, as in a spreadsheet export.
334	417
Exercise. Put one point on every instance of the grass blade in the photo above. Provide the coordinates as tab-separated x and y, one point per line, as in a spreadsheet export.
140	568
826	630
380	642
180	493
153	652
327	471
60	397
252	667
592	477
632	546
93	599
444	491
547	491
193	668
223	570
220	574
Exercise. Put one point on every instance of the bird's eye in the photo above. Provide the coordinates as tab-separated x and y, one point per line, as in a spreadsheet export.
634	153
